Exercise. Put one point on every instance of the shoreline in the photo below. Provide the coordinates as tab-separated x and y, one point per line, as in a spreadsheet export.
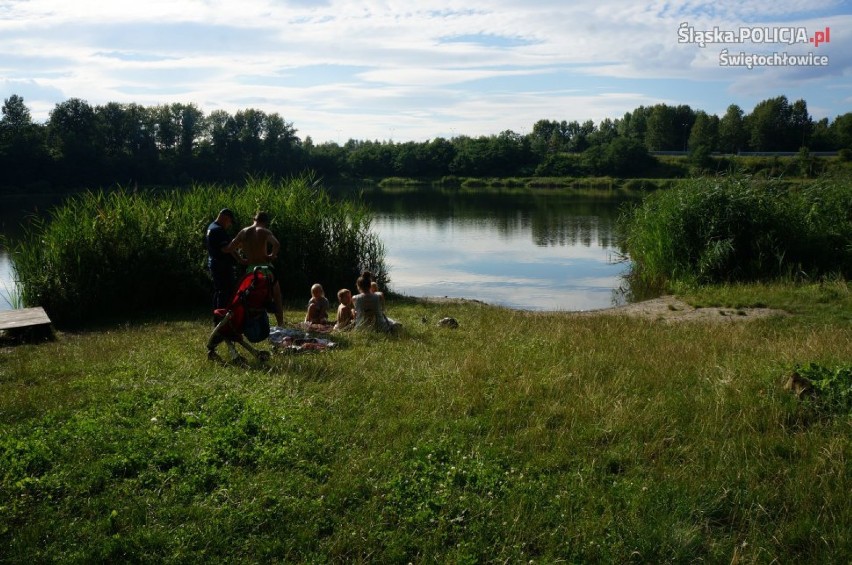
666	308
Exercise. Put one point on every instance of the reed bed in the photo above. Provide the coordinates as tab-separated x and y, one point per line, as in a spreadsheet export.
126	252
711	230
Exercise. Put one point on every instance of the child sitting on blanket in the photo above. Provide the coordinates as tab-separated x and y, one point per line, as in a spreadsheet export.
346	310
317	306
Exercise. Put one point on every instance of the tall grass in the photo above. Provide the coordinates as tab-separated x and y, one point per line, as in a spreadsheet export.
125	252
11	296
741	229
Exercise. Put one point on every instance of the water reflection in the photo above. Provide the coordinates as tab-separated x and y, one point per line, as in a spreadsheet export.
7	283
15	212
535	253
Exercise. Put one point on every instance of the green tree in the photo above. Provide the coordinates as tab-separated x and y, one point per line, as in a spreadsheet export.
593	160
440	153
16	115
549	136
23	157
410	160
769	125
280	147
167	125
841	130
704	132
129	146
800	127
634	125
606	131
580	135
668	127
624	157
732	134
371	159
190	122
250	132
661	132
684	119
222	146
327	159
75	142
822	138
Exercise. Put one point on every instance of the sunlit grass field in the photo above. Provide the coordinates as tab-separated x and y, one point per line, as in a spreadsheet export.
518	437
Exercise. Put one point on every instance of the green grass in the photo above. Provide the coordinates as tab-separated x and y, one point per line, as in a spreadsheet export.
518	437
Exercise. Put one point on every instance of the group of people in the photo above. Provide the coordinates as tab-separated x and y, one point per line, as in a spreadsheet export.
365	310
255	246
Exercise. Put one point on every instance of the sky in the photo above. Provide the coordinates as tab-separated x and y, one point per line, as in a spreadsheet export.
413	71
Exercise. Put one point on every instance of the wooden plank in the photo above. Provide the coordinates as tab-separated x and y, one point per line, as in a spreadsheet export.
23	318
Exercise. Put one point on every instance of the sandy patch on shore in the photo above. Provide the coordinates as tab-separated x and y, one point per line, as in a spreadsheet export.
665	309
671	309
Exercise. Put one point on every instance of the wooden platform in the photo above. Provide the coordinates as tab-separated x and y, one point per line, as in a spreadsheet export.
23	318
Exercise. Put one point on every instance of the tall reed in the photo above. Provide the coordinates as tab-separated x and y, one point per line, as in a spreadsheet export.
127	252
740	229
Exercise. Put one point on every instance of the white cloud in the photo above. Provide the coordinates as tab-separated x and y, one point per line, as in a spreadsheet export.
425	69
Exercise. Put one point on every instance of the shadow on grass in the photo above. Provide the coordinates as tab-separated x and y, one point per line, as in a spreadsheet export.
20	336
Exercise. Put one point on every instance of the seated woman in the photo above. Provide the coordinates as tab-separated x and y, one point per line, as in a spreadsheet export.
369	308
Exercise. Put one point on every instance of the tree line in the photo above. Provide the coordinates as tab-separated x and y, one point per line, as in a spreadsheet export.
81	145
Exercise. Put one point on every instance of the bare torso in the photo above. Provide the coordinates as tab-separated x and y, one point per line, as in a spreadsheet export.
258	244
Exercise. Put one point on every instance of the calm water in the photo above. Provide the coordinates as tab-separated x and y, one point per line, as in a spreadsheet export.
532	253
6	282
13	212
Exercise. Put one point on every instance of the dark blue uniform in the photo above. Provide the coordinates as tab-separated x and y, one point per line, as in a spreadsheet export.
221	265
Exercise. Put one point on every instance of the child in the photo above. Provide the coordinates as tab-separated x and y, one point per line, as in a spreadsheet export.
317	306
374	288
346	310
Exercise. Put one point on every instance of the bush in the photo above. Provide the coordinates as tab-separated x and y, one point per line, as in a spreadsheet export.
832	387
739	229
129	252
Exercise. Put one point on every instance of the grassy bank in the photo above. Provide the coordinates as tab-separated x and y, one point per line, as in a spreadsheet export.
517	437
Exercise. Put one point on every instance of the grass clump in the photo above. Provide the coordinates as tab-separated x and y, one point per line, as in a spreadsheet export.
831	387
128	252
740	229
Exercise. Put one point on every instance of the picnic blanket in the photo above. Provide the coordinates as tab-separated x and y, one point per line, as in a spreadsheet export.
317	328
292	340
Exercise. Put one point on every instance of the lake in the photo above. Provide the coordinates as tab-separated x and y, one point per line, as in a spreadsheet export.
13	211
530	252
546	252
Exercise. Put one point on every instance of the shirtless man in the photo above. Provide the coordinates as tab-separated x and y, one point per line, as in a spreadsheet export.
260	248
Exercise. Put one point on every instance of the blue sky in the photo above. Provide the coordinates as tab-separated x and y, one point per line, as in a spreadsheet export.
401	70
